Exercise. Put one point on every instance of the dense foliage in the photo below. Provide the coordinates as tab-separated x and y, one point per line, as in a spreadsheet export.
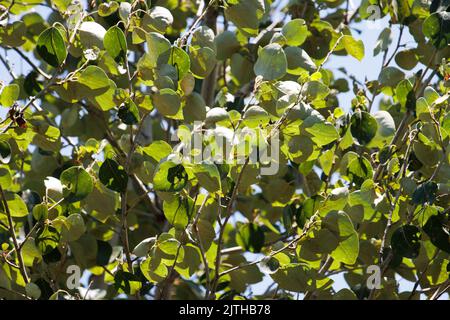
93	181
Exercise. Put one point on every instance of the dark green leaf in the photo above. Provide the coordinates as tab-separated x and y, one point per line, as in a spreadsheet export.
47	239
405	241
437	228
170	177
129	113
363	127
113	175
425	193
250	237
51	47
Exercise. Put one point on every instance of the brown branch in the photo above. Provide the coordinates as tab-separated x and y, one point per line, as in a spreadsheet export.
209	83
18	250
222	228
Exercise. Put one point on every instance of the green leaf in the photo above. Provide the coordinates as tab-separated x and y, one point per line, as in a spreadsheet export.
40	212
113	175
245	14
437	229
126	282
107	8
5	152
190	263
322	133
13	34
9	95
226	44
208	176
94	81
16	205
256	116
359	170
31	253
194	108
436	27
158	19
405	241
385	131
5	178
106	99
425	193
129	113
77	184
298	61
180	60
271	63
47	239
295	32
217	115
383	42
143	247
250	237
167	102
51	47
402	91
153	270
203	37
206	233
354	47
315	90
73	227
157	46
158	150
169	177
406	59
178	211
115	44
294	277
33	290
340	225
203	61
363	127
390	76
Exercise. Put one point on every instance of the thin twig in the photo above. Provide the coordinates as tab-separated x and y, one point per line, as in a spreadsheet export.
23	269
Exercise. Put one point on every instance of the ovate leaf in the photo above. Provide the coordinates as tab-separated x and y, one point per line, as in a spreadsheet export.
115	44
77	184
113	175
271	63
9	95
405	241
354	47
363	127
340	225
16	205
437	228
51	47
208	176
170	177
295	32
178	211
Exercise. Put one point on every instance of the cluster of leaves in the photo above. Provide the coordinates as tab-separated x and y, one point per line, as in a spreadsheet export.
90	176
